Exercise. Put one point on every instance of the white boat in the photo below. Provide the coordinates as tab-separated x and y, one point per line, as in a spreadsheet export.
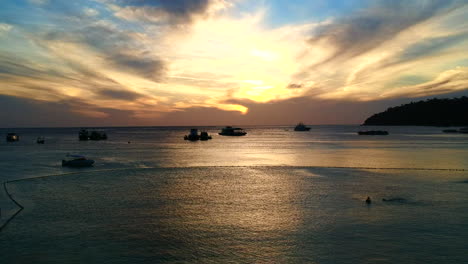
232	131
301	127
76	161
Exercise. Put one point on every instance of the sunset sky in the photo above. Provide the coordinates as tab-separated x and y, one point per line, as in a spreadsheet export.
220	62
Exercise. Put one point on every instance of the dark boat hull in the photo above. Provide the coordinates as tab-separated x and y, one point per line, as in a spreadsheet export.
233	134
192	137
373	133
77	163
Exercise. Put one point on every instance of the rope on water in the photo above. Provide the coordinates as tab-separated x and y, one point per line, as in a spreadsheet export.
16	213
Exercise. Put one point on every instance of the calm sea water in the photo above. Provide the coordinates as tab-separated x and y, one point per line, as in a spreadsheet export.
273	196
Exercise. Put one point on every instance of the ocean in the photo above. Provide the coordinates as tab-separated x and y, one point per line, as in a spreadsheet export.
272	196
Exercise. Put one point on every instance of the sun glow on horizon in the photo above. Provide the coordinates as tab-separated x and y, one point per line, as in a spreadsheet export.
151	60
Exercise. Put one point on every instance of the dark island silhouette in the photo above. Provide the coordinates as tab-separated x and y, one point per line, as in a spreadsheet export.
431	112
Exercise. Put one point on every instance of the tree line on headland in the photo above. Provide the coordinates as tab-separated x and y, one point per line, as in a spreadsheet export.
431	112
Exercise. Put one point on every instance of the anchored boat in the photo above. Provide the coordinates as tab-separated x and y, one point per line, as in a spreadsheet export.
194	136
301	127
94	135
40	140
12	137
76	161
232	131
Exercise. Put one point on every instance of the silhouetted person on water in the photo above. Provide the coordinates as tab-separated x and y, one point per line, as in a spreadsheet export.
368	200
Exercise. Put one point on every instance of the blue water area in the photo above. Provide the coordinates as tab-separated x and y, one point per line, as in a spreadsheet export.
272	196
240	215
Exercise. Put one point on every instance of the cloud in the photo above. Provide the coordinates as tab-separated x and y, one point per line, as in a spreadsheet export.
431	45
119	94
294	86
116	46
369	28
90	12
446	82
359	56
151	58
38	113
4	28
139	64
171	12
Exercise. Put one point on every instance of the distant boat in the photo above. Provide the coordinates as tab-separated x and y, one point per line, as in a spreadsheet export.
204	136
232	131
97	135
40	140
76	161
301	127
94	135
83	134
194	136
12	137
463	130
373	132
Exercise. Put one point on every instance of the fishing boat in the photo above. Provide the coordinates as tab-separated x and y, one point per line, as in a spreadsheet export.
193	135
97	135
232	131
12	137
40	140
76	161
301	127
83	134
93	135
204	136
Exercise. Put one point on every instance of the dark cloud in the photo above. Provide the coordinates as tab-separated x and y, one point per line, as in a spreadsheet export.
16	71
145	67
13	65
102	38
21	112
119	94
116	46
35	113
366	30
431	46
294	86
173	11
174	6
